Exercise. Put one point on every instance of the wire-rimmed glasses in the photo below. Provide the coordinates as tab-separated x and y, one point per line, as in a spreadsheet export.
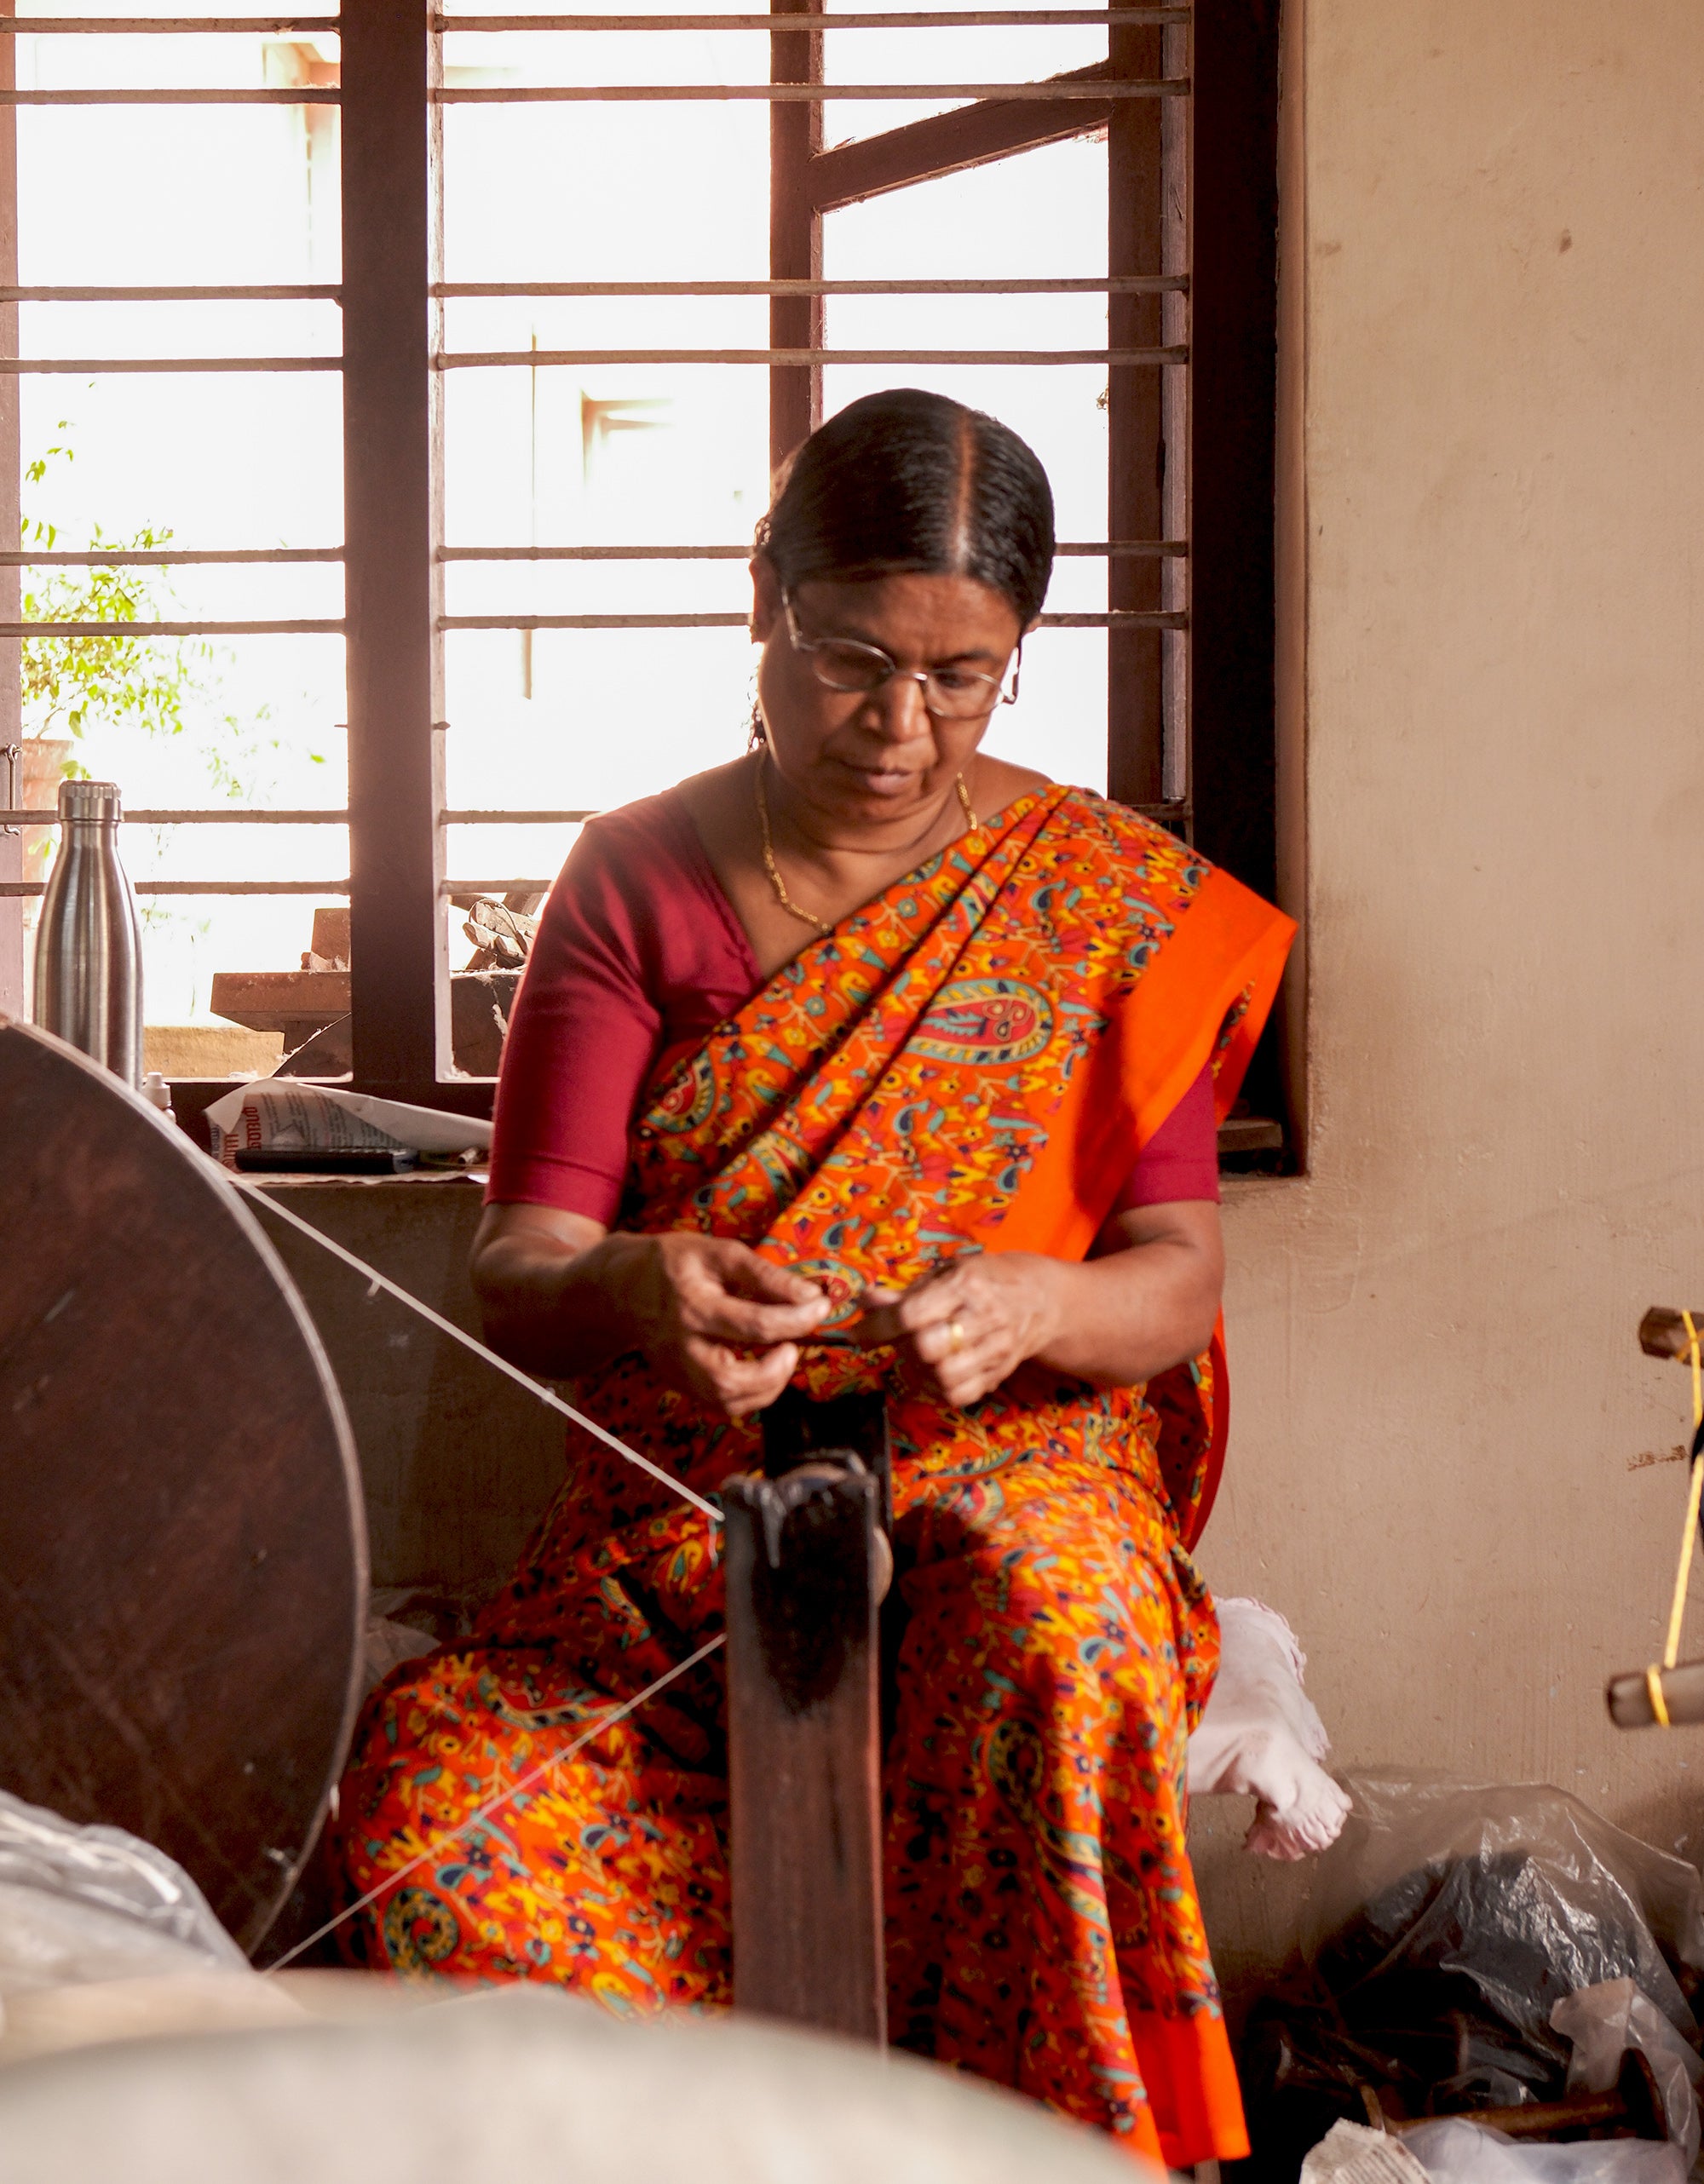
949	693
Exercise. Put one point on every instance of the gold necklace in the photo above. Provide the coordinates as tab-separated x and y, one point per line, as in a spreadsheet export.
797	910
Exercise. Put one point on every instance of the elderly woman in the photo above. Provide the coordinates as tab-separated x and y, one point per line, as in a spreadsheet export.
866	1031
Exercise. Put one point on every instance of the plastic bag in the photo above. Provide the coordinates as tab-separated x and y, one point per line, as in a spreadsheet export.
1453	2151
1506	1897
1604	2022
1444	1927
391	1635
79	1904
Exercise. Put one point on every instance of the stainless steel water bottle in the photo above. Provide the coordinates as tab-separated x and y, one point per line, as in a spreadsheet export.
89	945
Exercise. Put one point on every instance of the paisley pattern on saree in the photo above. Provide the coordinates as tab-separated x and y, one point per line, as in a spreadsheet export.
882	1105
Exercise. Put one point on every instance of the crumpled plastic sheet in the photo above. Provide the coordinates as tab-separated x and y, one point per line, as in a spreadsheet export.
80	1904
1604	2022
1443	1929
1518	1893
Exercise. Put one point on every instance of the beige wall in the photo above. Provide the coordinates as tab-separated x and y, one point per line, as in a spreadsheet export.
1493	433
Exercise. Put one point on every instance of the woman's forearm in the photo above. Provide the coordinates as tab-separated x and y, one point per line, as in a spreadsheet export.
556	1306
1137	1312
562	1297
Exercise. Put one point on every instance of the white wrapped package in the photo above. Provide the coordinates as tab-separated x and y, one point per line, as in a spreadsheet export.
283	1114
1453	2151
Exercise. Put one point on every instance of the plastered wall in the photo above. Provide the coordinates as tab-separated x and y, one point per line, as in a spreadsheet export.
1492	539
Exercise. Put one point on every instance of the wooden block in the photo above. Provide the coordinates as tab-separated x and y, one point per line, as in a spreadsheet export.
331	934
804	1569
213	1050
298	1003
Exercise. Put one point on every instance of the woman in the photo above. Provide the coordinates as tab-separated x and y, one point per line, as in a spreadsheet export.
871	1033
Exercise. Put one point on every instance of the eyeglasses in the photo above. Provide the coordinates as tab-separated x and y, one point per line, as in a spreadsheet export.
949	693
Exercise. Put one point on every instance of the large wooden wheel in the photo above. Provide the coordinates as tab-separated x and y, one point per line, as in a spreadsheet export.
182	1556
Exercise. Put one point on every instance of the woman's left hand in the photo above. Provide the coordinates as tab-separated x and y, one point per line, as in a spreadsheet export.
962	1331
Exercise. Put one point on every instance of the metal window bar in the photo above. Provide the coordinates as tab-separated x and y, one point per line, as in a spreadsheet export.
298	292
1081	550
1116	618
285	628
171	25
305	94
450	26
217	557
89	367
478	290
812	359
971	18
1098	92
1135	283
24	890
167	558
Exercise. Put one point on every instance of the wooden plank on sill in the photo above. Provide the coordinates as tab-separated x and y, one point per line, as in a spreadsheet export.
280	1001
1250	1134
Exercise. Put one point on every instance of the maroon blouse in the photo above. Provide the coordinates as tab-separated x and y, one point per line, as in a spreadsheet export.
638	951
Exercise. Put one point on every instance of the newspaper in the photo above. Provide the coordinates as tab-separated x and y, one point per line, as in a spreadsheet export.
283	1114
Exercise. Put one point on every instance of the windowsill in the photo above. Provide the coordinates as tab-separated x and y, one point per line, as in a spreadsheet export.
411	1178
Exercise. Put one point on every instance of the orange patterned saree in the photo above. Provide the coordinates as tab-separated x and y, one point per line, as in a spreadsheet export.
970	1062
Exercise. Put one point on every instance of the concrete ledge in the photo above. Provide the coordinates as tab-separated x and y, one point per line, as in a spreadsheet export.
458	1462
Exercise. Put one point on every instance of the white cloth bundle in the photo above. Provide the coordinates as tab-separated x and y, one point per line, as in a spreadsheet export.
1261	1738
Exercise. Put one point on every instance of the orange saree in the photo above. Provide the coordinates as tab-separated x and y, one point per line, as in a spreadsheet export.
968	1063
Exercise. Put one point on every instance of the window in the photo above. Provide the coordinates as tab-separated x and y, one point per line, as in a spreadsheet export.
597	273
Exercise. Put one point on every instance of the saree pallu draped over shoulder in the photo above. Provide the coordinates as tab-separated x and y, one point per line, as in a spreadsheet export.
968	1063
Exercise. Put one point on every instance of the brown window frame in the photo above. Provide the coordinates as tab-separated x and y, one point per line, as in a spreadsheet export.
1191	267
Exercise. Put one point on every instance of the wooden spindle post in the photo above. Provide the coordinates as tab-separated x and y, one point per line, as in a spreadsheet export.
806	1566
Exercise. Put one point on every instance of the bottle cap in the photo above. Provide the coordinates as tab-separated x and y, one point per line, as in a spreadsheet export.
156	1091
89	799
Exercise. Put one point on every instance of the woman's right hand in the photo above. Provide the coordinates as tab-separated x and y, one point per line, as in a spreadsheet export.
562	1296
713	1318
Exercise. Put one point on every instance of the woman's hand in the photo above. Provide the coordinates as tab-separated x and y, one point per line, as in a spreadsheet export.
962	1331
1146	1300
716	1320
562	1296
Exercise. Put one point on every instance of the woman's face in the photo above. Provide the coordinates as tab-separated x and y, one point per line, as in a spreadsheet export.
874	761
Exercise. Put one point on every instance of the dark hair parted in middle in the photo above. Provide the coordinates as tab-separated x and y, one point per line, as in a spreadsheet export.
907	481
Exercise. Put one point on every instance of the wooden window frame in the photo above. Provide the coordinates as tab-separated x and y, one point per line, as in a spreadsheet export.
1193	193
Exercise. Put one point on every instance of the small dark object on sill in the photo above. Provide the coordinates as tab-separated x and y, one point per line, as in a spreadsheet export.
1251	1144
376	1162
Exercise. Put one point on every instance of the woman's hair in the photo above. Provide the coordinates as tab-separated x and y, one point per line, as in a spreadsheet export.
909	482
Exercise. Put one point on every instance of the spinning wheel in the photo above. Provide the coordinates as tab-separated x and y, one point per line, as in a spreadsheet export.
182	1553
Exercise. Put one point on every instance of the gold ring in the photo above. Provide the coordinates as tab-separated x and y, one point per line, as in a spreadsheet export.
955	1334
